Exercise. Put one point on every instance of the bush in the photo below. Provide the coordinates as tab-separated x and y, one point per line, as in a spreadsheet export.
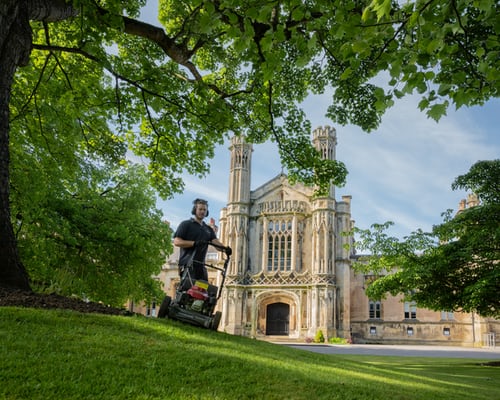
319	338
338	340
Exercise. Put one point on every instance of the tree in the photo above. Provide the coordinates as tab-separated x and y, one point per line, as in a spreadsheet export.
229	67
98	235
456	266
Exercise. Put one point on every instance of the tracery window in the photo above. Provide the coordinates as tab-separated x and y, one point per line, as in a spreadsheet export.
279	249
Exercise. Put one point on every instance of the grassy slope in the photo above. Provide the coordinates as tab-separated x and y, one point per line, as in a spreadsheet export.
50	354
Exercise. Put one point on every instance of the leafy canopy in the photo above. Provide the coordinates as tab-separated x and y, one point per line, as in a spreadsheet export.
226	67
454	267
102	87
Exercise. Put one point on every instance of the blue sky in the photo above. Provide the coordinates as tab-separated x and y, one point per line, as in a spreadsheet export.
402	172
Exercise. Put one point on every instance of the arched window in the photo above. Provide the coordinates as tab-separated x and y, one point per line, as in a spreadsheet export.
279	246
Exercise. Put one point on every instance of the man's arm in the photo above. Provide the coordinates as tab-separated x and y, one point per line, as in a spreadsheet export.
217	242
179	242
225	249
180	234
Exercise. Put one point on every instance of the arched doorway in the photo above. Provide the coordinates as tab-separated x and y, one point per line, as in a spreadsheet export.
278	319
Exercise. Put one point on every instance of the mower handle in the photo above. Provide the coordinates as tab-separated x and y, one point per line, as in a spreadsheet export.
221	248
218	247
223	270
226	262
207	243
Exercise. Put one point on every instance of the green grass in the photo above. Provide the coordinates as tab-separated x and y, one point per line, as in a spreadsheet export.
57	354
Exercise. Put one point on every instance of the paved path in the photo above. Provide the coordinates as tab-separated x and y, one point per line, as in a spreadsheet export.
401	350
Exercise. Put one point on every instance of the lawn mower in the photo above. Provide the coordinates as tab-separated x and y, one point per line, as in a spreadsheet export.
195	299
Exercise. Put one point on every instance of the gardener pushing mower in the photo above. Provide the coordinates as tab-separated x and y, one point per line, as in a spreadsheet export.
195	298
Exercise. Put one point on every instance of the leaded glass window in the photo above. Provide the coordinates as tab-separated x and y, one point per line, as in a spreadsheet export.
279	249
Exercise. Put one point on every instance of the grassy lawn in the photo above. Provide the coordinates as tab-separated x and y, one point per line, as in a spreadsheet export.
56	354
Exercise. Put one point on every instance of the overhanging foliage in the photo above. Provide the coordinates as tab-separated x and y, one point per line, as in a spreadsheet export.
96	78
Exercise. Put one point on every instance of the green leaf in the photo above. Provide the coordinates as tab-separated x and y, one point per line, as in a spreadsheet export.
436	111
346	74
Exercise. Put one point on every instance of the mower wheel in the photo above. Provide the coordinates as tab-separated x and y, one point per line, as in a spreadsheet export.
165	305
216	320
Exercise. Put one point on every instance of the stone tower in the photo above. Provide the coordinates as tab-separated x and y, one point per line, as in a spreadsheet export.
235	224
235	218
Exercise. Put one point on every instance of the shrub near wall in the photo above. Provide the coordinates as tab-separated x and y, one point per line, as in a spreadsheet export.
339	340
319	338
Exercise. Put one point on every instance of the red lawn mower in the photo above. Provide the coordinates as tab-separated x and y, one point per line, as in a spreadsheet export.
195	299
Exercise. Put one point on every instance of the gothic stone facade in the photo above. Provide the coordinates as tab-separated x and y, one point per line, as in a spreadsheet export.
290	274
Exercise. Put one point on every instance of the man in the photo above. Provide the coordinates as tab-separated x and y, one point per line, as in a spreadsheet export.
193	237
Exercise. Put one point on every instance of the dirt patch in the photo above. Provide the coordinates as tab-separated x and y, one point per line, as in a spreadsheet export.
20	298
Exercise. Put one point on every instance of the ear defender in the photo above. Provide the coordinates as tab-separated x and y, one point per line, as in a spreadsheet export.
196	202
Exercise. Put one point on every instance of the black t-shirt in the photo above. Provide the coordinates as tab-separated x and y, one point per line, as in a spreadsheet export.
192	230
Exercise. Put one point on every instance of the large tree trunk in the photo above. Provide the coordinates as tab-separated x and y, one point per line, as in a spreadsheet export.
15	50
15	47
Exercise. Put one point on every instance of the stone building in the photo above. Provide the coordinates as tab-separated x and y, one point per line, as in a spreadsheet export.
290	274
